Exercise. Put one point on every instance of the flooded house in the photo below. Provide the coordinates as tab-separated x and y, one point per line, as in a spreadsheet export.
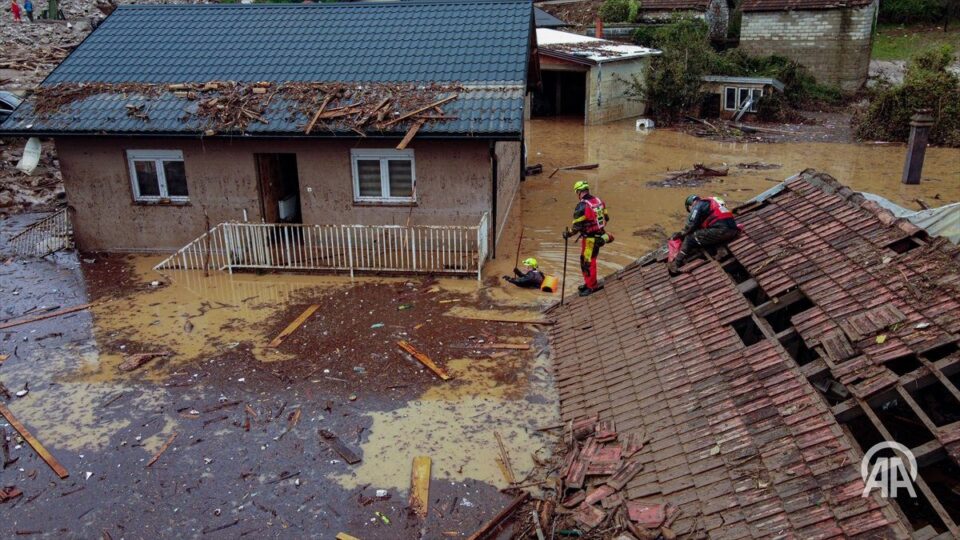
832	38
735	97
766	378
588	77
368	135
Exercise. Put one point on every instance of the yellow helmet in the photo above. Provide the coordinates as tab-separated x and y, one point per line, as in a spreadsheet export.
531	262
581	186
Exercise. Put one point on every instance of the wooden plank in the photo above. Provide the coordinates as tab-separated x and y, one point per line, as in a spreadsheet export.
162	449
292	327
583	167
334	442
424	359
403	117
420	485
411	134
50	315
313	121
494	524
505	346
345	536
505	459
34	443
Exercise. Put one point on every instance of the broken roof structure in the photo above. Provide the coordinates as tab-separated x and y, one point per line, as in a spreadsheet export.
761	376
585	49
376	48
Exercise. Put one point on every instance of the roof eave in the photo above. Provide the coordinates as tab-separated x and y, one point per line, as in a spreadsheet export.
498	135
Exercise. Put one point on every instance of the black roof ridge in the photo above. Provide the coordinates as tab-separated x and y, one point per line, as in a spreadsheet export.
365	3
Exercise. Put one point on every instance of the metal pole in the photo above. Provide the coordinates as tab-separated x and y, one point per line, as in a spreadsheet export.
563	282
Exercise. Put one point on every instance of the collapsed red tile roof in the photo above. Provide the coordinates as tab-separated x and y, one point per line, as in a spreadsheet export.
784	5
737	434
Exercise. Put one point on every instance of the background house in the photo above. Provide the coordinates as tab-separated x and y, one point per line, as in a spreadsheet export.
727	95
588	77
832	38
152	148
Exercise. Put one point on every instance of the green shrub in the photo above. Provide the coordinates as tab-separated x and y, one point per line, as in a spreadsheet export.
928	85
913	11
646	35
614	11
800	87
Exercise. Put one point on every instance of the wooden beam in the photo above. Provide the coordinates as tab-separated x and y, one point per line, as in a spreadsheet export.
34	443
334	442
313	121
403	117
747	286
424	359
292	327
50	315
411	134
420	485
494	524
778	303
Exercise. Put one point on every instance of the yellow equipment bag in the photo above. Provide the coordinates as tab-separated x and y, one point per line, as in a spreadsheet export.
550	284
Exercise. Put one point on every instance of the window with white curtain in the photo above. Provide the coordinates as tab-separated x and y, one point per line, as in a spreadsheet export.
383	175
158	175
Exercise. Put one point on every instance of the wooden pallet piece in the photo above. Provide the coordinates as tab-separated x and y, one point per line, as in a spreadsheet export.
292	327
34	443
424	359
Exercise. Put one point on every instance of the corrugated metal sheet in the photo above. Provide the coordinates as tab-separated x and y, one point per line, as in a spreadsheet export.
943	221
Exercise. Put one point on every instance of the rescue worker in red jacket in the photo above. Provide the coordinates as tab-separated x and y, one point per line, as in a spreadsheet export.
590	217
709	224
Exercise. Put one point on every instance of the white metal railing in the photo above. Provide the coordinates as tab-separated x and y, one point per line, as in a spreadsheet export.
441	249
42	238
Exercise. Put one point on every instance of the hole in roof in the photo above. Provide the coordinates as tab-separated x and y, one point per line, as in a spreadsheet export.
943	479
748	331
902	423
796	348
904	364
756	296
864	432
940	406
736	271
941	352
831	390
903	246
780	319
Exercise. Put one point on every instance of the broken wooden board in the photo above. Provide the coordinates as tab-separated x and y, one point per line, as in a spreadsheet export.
411	134
403	117
292	327
49	315
334	442
494	524
583	167
345	536
494	317
163	449
134	361
505	459
313	121
9	493
424	359
420	485
34	443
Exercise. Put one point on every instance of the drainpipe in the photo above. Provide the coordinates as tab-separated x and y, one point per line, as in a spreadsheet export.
493	199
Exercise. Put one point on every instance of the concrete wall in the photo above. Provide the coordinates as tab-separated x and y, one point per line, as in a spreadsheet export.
453	187
834	44
509	164
607	98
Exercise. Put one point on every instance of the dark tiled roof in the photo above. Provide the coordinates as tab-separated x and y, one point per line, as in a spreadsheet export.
784	5
546	20
738	434
477	42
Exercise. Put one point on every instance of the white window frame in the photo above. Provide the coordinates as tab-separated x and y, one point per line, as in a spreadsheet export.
157	157
739	98
384	155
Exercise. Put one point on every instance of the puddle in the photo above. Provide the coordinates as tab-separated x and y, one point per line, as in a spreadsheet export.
454	424
628	160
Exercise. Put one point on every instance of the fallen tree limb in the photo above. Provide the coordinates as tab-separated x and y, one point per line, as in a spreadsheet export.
582	167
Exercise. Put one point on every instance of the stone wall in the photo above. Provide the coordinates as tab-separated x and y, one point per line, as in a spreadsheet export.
834	44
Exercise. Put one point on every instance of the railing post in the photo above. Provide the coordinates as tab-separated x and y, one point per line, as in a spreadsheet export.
413	242
228	241
350	250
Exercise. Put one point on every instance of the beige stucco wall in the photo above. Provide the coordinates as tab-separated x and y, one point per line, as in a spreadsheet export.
607	97
453	187
509	163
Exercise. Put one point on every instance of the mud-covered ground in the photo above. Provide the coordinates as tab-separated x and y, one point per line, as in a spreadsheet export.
246	458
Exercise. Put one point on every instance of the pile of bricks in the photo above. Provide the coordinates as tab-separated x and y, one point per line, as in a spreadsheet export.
596	468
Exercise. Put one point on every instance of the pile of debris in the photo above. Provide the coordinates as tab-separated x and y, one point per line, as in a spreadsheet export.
42	190
228	106
699	175
31	51
587	481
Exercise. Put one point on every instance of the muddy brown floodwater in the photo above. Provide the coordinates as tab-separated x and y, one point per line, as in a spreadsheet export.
643	216
245	457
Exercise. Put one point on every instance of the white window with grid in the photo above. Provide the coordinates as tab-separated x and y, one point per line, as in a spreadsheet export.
385	176
158	175
735	98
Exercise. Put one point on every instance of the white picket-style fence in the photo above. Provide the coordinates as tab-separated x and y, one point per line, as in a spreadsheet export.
42	238
439	249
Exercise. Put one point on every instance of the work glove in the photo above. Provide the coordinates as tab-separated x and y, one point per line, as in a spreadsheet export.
567	233
517	272
676	236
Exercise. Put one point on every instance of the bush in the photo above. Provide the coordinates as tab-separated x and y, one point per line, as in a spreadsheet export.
927	84
615	11
913	11
646	35
800	87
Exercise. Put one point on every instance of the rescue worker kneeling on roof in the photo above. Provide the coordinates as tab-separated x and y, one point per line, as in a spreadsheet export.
590	217
709	224
531	279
